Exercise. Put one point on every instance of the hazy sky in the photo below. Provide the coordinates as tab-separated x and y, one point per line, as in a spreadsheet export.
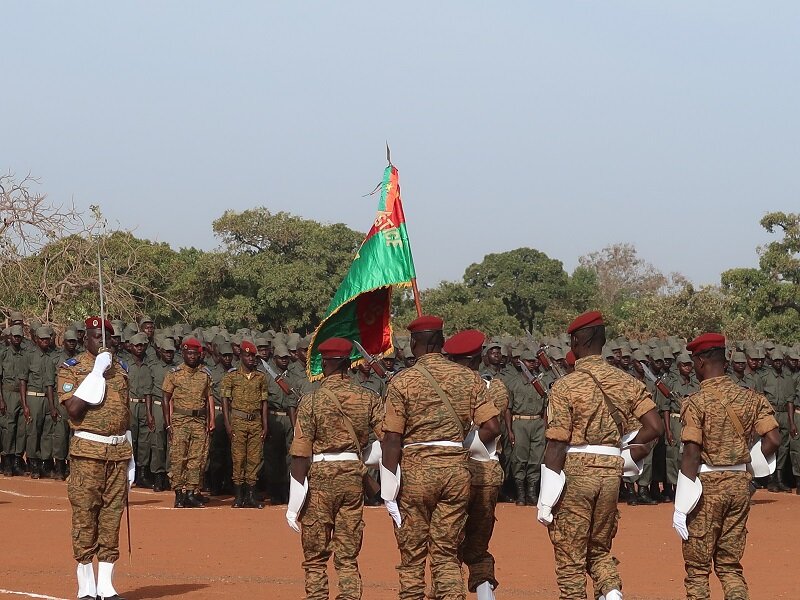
564	126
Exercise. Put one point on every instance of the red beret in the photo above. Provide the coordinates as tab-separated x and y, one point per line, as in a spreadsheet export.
94	323
191	343
465	343
704	342
588	319
248	347
426	323
335	347
570	358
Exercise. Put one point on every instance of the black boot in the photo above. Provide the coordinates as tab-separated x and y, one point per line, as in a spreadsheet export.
146	478
520	486
772	486
238	500
199	496
250	499
192	501
782	487
60	471
531	496
36	468
630	494
644	497
8	470
18	465
180	499
159	482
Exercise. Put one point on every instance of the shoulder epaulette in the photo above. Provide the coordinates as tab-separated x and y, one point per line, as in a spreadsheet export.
70	362
232	369
124	365
206	370
174	369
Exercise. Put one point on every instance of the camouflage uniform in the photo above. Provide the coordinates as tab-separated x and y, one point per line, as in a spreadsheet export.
247	392
487	477
435	479
98	482
718	526
332	518
585	520
190	389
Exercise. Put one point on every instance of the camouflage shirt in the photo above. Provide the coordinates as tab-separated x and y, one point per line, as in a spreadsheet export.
246	390
320	426
578	414
110	417
706	421
414	409
190	388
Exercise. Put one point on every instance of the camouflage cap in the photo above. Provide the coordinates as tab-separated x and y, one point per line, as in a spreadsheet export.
292	345
17	330
607	353
34	324
70	334
614	345
556	353
7	331
49	329
140	338
493	344
626	350
268	335
769	344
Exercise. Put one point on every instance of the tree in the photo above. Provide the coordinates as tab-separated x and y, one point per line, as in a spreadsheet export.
769	296
621	274
527	281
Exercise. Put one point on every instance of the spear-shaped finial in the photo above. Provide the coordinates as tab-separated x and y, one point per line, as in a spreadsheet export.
388	154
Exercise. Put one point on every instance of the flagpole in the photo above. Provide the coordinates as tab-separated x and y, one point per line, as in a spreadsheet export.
415	290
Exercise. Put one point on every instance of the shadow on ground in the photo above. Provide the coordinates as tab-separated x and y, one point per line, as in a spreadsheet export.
163	591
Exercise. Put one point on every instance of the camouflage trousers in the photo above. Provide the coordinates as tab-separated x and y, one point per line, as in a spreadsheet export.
474	550
247	450
433	505
97	491
188	451
718	533
55	439
333	524
583	529
13	421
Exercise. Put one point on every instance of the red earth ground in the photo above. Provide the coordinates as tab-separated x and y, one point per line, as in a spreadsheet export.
217	552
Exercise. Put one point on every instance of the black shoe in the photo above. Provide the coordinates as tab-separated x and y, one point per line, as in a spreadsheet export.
644	497
250	500
632	500
782	487
772	486
159	482
18	465
146	478
238	500
531	497
180	499
36	468
203	499
192	501
46	468
8	469
520	487
60	471
114	597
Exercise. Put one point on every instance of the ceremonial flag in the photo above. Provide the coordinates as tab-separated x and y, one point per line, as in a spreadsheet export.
361	308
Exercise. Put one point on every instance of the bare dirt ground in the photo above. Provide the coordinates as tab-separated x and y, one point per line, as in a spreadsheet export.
217	552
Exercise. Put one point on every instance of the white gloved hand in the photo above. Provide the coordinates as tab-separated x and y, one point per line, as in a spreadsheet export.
545	515
394	511
131	461
101	363
679	523
291	519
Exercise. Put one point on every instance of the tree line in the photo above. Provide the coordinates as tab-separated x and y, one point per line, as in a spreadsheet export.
278	270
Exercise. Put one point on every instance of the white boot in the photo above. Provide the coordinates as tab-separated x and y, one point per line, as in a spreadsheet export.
87	588
105	589
485	591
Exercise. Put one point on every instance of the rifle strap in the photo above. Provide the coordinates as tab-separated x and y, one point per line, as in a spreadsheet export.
735	421
347	422
442	396
613	410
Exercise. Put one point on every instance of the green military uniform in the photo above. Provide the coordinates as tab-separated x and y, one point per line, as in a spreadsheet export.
219	466
435	486
190	391
39	373
332	519
57	433
780	390
140	379
156	441
528	424
12	363
280	407
670	407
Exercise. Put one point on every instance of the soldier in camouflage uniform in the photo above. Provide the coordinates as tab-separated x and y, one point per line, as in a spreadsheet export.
189	415
244	396
589	412
428	409
93	388
718	422
333	425
486	477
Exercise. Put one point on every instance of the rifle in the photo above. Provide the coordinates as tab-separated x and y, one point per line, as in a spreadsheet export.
657	381
534	380
280	379
371	360
547	363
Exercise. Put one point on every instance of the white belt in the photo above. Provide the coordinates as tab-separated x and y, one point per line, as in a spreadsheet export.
111	440
594	449
335	456
444	443
704	468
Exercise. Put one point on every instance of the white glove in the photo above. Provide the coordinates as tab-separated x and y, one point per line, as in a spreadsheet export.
131	462
679	523
297	498
101	363
394	511
390	483
291	519
372	455
552	484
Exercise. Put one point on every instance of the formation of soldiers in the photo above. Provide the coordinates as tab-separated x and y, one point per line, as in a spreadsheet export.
216	412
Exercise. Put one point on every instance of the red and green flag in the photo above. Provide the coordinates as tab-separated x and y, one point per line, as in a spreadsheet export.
361	308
